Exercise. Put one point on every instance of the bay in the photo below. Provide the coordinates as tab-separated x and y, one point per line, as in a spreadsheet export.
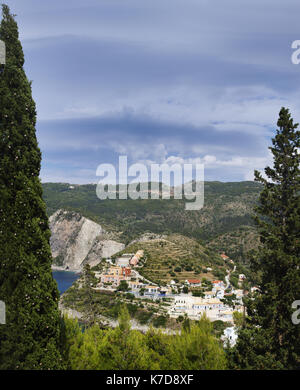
65	279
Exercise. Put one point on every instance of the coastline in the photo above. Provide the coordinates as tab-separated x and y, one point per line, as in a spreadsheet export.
59	268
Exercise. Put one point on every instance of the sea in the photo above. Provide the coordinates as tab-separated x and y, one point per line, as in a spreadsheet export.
65	279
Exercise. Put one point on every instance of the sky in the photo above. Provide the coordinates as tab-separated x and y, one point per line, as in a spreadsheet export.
160	81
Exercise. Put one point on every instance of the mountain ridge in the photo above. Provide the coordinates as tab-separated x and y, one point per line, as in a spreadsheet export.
224	223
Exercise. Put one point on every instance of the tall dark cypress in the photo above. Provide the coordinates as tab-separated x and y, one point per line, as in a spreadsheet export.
270	338
30	338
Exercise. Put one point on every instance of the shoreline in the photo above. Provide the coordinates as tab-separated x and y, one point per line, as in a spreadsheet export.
58	268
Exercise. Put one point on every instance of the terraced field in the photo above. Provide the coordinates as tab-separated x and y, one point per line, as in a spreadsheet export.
175	257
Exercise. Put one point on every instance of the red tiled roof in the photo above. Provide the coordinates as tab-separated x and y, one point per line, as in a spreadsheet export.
195	281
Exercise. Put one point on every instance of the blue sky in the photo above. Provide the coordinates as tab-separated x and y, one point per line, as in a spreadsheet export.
159	81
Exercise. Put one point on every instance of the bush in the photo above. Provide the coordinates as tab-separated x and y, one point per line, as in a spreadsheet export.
159	321
196	348
123	286
143	317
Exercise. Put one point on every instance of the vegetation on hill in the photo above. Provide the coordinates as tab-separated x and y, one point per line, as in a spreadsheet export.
175	257
227	211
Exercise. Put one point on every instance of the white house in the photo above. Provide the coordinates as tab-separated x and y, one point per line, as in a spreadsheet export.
209	294
135	285
220	293
150	290
123	261
230	336
195	307
193	282
226	315
218	284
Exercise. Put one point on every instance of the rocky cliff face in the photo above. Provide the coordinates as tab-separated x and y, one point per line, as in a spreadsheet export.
76	241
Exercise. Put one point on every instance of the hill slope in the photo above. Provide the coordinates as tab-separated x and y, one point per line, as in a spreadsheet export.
226	213
175	257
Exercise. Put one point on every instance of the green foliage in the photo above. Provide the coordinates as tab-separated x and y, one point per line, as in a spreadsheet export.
219	274
185	290
31	337
125	349
198	293
219	327
160	321
144	316
230	300
89	302
238	319
269	339
123	286
234	280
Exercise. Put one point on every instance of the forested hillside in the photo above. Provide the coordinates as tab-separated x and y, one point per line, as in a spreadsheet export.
224	223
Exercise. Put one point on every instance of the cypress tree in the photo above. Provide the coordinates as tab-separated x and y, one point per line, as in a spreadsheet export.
269	338
30	338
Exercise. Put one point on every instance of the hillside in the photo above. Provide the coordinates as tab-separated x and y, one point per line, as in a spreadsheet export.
176	257
227	209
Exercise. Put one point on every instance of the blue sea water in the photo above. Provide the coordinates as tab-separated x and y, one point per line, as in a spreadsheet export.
64	279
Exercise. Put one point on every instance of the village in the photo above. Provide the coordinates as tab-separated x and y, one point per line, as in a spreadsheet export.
219	303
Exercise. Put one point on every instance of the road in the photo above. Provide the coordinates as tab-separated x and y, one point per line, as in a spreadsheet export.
227	277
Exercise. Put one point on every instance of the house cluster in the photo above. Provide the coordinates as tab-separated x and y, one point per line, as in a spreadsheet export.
195	307
114	275
217	291
182	304
123	269
210	304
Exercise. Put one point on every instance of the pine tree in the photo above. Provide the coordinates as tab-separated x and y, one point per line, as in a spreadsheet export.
269	338
30	338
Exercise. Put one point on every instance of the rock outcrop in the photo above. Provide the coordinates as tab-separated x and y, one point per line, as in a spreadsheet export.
76	241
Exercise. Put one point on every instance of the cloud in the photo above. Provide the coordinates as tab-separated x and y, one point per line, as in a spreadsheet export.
159	80
86	143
